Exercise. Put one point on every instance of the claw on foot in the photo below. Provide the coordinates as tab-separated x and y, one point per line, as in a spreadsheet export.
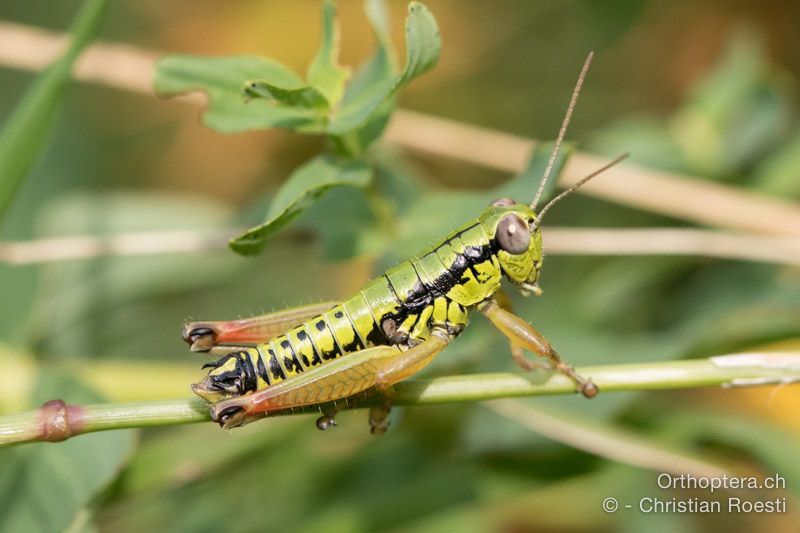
201	338
585	386
589	389
229	417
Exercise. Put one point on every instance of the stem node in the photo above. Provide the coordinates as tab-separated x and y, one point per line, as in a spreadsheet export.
59	421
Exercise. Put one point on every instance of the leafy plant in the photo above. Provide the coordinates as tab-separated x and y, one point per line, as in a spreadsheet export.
104	329
250	93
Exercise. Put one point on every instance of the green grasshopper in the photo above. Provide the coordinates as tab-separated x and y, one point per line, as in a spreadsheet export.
393	327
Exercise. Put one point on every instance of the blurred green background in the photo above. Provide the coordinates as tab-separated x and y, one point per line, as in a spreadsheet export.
706	88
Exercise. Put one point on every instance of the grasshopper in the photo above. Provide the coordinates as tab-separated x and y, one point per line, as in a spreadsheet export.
394	326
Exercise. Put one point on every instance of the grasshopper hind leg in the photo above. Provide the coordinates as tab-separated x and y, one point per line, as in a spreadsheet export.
378	367
202	336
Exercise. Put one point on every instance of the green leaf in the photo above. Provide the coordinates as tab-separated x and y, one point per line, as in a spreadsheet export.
423	45
306	184
324	72
221	79
26	130
44	486
306	97
365	105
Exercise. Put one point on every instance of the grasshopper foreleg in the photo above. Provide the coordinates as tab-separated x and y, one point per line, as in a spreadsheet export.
502	299
522	334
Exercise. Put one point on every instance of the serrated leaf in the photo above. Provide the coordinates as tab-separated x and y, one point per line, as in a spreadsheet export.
423	46
324	73
26	129
305	185
221	79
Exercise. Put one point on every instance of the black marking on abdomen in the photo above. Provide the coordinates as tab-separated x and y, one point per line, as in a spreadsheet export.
250	380
336	352
315	359
304	359
290	360
261	369
275	367
356	345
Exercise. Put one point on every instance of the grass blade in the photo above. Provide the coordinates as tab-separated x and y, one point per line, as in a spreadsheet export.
24	134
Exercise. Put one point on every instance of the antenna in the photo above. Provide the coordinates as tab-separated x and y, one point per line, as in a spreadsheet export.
563	129
576	187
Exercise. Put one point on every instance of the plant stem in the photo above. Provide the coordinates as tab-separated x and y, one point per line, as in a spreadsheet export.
56	421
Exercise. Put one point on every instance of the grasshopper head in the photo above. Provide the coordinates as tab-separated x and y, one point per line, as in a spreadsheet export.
518	241
230	376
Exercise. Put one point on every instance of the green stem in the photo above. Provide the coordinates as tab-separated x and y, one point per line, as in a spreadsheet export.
56	421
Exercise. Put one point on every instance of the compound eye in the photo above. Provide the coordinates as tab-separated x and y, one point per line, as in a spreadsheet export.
513	235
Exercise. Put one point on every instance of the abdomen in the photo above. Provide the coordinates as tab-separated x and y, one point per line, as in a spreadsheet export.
434	289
